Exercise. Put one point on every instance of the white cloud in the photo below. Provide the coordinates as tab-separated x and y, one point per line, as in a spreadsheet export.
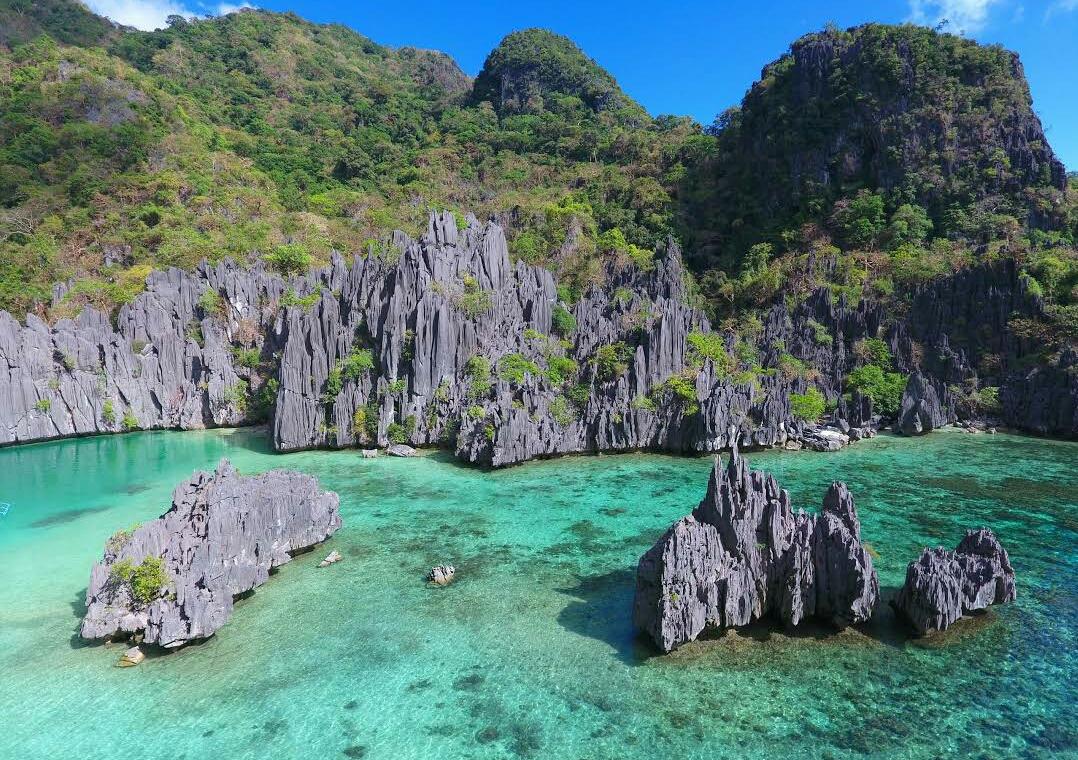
1062	6
224	9
963	16
152	14
141	14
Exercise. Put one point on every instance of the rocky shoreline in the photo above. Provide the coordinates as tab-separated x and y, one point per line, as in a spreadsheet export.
445	342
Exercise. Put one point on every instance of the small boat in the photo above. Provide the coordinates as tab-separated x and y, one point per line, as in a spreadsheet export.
4	508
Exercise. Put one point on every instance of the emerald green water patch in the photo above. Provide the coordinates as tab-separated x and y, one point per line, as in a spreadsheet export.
531	652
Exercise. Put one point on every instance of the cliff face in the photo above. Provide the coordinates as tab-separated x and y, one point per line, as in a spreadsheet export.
167	363
444	342
417	318
220	538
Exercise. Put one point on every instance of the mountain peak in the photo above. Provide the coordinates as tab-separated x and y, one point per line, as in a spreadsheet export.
532	66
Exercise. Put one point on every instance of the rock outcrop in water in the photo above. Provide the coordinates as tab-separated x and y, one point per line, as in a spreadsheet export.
174	579
942	586
743	554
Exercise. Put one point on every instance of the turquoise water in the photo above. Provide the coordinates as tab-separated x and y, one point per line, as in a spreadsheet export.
531	653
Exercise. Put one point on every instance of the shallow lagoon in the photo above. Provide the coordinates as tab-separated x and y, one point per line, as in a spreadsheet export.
531	652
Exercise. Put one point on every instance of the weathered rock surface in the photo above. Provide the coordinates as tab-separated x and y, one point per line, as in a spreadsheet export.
221	537
942	585
925	407
743	554
428	309
131	657
166	364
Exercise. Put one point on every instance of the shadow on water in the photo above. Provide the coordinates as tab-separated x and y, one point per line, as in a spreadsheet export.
67	516
603	611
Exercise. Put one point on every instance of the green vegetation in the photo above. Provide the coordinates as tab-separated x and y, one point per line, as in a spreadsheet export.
611	361
108	412
247	357
820	334
209	302
129	421
562	412
884	388
808	406
358	362
365	423
678	389
333	386
145	579
237	396
476	412
513	367
307	302
703	347
562	321
560	370
478	371
43	405
475	301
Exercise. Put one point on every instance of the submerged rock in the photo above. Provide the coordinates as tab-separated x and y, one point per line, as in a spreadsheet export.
332	558
441	575
743	554
132	657
174	578
400	450
942	586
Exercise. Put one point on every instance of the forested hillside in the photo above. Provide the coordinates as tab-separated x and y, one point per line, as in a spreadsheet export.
870	160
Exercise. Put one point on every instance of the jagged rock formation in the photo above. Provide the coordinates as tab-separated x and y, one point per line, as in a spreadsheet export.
166	364
963	327
925	407
942	586
743	554
221	537
413	314
440	316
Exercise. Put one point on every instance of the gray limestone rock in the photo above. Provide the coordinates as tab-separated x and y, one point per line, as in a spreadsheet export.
926	406
743	554
166	363
942	586
221	537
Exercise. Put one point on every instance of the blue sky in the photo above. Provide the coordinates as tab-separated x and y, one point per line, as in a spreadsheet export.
692	57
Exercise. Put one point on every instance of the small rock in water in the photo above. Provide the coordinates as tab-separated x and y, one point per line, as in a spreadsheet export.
333	556
942	585
370	453
131	658
400	450
441	575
